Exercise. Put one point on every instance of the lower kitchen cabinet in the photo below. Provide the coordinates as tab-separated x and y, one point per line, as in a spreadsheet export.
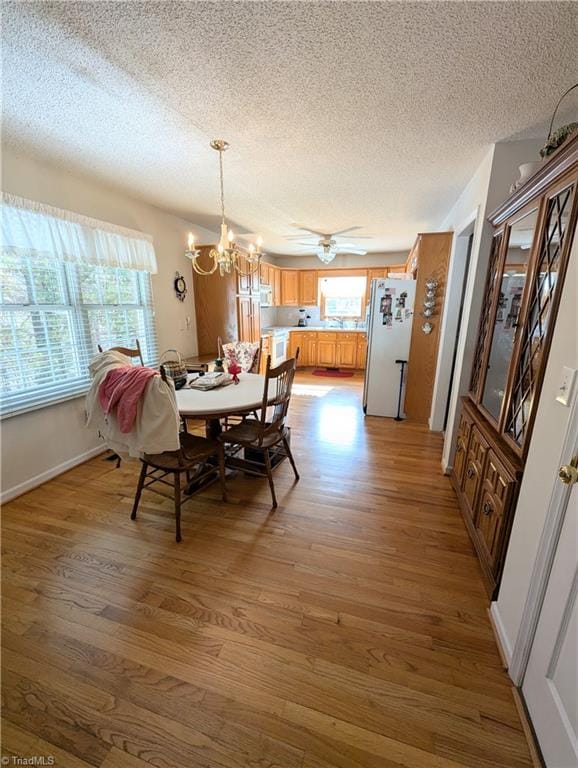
329	349
346	350
326	352
361	351
486	476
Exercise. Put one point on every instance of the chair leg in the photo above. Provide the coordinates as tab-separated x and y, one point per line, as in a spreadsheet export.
270	476
118	460
222	472
178	504
143	474
290	456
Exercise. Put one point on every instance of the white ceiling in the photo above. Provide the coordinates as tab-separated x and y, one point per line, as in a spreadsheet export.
339	113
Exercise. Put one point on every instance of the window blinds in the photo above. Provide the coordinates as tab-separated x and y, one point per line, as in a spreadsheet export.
54	311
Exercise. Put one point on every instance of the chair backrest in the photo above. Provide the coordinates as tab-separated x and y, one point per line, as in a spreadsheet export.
277	394
136	352
246	353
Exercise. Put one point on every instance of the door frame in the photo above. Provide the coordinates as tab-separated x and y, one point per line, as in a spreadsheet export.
542	568
457	286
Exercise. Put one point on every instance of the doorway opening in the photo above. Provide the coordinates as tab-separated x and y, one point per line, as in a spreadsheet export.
468	255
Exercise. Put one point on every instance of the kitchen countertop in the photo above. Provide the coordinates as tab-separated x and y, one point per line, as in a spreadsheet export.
315	328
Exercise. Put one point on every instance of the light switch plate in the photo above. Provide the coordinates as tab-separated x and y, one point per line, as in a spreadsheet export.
566	385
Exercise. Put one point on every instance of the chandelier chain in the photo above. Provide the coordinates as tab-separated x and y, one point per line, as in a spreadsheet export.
222	185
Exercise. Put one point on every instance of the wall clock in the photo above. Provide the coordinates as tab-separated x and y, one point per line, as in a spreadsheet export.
180	286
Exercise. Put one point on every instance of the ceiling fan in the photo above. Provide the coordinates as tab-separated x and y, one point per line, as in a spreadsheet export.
328	247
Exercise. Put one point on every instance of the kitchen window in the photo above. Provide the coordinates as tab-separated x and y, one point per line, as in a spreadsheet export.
343	297
66	286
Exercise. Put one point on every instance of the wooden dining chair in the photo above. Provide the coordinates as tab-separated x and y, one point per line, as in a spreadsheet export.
265	435
136	352
195	458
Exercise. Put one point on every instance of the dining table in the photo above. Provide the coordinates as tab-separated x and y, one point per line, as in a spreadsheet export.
216	404
213	406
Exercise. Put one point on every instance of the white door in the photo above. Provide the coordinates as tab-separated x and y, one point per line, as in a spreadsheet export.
550	685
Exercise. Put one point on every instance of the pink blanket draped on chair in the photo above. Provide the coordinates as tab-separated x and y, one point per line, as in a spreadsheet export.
121	391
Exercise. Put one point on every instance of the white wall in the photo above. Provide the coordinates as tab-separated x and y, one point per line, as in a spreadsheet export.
541	468
486	190
342	261
42	443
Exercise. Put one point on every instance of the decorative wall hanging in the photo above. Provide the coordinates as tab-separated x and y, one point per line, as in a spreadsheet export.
429	303
180	286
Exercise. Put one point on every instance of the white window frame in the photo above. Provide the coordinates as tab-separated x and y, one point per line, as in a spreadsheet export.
84	347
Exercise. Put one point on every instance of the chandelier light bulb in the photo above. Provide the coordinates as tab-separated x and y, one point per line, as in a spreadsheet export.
231	236
191	241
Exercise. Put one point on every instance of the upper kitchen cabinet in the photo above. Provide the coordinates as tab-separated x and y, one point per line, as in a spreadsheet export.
308	288
289	287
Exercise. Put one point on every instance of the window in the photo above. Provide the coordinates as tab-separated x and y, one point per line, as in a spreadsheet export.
343	297
53	315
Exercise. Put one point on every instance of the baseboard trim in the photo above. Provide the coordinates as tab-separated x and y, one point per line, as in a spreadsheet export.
528	728
43	477
502	641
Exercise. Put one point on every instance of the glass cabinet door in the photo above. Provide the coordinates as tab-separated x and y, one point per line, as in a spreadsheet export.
512	283
485	314
539	315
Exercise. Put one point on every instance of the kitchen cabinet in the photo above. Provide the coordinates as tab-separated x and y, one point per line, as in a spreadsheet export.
310	348
377	273
297	342
361	358
265	273
289	287
265	352
275	274
346	350
330	349
326	349
255	319
308	288
245	315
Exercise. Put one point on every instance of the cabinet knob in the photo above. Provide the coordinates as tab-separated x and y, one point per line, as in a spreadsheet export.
471	472
487	508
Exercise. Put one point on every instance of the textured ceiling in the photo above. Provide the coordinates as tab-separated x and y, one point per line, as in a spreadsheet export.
373	114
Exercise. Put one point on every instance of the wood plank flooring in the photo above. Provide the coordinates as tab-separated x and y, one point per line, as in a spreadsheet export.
347	629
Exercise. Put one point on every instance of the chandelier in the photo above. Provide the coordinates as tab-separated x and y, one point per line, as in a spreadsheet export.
226	256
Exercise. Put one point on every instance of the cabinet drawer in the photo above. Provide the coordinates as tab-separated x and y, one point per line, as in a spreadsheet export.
474	467
346	336
327	336
496	491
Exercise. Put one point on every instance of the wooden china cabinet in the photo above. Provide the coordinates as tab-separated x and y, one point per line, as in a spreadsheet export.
533	233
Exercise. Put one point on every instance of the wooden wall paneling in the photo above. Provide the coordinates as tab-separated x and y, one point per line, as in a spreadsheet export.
433	253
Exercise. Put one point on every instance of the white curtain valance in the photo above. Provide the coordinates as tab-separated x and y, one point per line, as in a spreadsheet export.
28	227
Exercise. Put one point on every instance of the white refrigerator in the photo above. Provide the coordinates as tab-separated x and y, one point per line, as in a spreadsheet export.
389	324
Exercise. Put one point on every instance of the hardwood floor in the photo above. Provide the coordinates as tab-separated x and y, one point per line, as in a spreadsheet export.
346	629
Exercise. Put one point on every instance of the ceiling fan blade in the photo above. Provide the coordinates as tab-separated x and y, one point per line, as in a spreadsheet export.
359	237
349	229
313	231
357	251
